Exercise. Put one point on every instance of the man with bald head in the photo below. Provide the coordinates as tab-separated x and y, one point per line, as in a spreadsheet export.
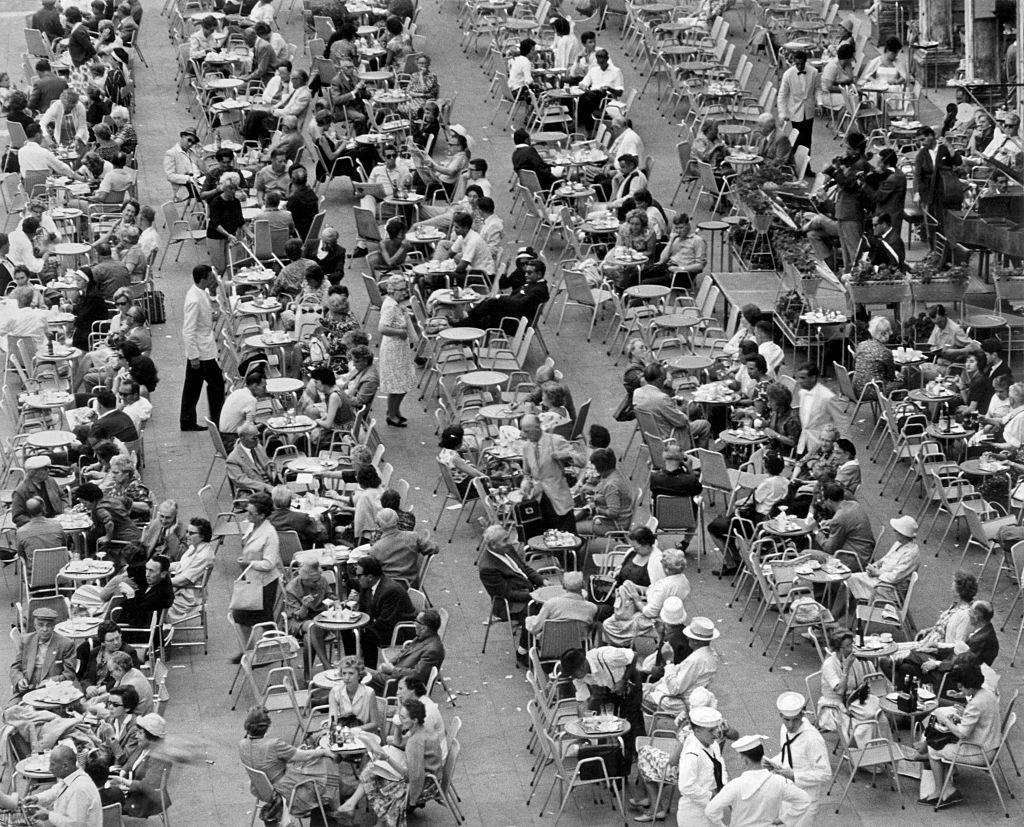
571	605
771	144
248	466
39	532
74	800
305	594
400	552
545	456
164	534
327	253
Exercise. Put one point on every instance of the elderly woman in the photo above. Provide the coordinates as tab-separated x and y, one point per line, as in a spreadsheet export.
975	732
306	774
125	136
450	455
331	342
262	559
841	673
125	673
609	502
423	86
783	426
394	361
122	482
397	777
891	574
352	704
190	570
449	171
873	361
94	657
635	234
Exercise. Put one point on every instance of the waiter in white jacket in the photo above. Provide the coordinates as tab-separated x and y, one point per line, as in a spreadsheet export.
804	757
701	768
180	164
201	352
797	98
759	797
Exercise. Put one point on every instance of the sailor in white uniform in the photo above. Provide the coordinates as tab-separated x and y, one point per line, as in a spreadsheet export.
804	757
759	797
701	768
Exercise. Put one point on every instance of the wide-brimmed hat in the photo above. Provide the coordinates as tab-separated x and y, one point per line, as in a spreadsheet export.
672	611
905	525
459	129
701	628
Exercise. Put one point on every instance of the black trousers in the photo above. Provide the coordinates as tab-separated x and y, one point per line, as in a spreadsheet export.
210	373
804	131
551	519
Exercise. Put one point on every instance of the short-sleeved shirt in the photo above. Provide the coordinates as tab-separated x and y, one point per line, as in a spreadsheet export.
472	249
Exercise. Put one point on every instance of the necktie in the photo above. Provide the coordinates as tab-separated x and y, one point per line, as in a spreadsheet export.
787	750
161	538
801	72
716	768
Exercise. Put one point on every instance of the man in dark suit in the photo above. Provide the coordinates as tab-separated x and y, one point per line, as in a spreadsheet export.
79	43
111	423
928	191
164	534
521	302
675	479
47	21
886	186
507	576
37	483
327	253
46	88
995	353
310	530
416	657
981	642
57	661
385	601
885	247
151	589
525	156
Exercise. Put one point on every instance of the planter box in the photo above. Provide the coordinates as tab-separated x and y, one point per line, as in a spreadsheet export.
937	291
878	292
795	275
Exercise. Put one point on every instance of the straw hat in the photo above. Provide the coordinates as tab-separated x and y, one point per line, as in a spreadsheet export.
701	628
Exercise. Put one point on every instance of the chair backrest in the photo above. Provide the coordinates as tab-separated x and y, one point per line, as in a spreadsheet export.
713	470
288	546
366	225
675	513
261	786
576	287
373	291
315	226
581	419
558	635
112	815
46	562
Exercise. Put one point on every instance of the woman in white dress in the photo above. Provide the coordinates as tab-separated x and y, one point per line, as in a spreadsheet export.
353	704
394	361
188	572
841	673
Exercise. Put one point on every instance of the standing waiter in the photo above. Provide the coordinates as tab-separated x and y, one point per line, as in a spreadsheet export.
797	96
200	351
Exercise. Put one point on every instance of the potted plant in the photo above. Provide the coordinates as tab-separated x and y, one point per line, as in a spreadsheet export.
930	284
876	284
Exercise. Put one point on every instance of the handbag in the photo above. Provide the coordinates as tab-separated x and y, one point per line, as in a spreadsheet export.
938	738
625	412
952	191
247	592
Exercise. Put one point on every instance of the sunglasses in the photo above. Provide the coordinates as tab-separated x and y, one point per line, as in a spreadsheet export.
121	302
390	155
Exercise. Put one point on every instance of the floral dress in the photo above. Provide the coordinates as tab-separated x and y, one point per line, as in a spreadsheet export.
787	424
397	374
423	86
874	362
333	333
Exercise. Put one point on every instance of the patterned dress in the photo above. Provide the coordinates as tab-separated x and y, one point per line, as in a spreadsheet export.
397	374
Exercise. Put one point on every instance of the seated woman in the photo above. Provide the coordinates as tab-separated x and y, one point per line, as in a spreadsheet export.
610	501
396	778
188	571
423	87
427	125
118	732
448	172
974	384
103	452
125	673
331	411
309	300
398	47
973	734
783	426
94	674
20	278
709	147
634	234
93	168
451	456
288	768
840	673
335	336
352	704
336	156
393	249
122	482
143	775
873	361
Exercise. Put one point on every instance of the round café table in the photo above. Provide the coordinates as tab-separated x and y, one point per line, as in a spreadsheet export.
690	363
742	438
647	292
732	132
544	593
284	385
375	77
793	528
462	335
537	543
483	378
501	412
979	468
873	653
890	708
514	25
425	235
50	440
324	620
595	731
276	339
224	83
71	251
48	399
234	146
79	628
267	308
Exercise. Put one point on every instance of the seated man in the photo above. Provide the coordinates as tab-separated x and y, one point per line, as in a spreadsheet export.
240	407
674	478
885	247
400	552
279	220
311	531
304	597
823	234
248	466
521	303
609	502
39	532
469	251
571	605
42	655
507	578
672	691
147	589
385	601
682	259
37	483
950	340
416	657
652	398
393	174
847	529
273	177
164	534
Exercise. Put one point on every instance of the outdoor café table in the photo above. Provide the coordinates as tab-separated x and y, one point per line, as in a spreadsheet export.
57	320
35	769
330	621
890	708
742	160
484	380
375	77
803	26
53	696
466	336
299	426
351	752
732	132
501	412
434	268
270	339
87	570
690	363
956	432
514	25
234	146
544	593
600	226
712	393
932	400
575	192
541	138
407	203
983	468
744	439
48	399
230	105
50	440
252	276
827	574
428	236
75	525
647	292
260	306
678	52
70	250
630	258
904	357
579	158
284	385
372	138
698	67
224	83
568	544
597	728
675	324
874	649
79	628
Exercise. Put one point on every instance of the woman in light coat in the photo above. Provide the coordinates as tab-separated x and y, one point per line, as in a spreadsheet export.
68	104
188	572
261	556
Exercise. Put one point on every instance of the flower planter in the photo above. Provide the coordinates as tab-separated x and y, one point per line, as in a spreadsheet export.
793	273
760	222
937	291
878	292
